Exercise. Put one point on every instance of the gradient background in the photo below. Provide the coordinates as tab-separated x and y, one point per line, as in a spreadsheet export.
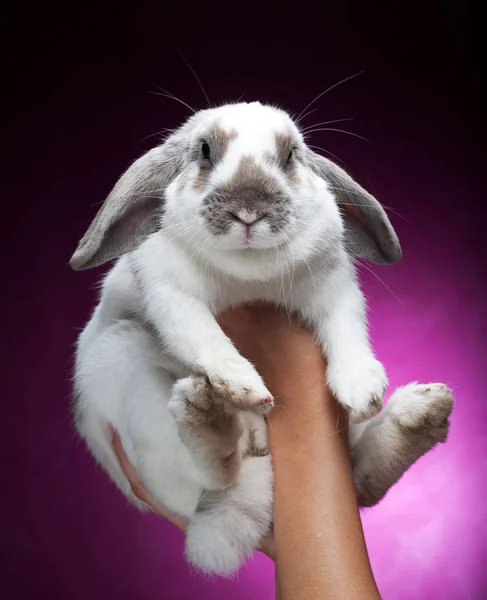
76	109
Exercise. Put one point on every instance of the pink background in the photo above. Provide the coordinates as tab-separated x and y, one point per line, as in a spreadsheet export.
65	531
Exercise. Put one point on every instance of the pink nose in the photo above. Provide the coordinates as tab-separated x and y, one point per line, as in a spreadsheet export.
246	218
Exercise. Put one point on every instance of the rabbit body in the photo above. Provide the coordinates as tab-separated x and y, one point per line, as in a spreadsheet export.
234	207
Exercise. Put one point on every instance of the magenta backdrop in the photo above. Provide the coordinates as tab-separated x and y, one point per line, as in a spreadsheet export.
79	112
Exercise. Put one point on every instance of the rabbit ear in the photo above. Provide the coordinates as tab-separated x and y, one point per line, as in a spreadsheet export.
369	233
132	211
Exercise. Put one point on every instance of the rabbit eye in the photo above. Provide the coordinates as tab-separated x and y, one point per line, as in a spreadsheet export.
205	150
290	156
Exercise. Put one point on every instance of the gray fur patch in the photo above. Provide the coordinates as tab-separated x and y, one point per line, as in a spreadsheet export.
253	448
369	233
251	189
285	146
209	500
408	445
218	139
133	210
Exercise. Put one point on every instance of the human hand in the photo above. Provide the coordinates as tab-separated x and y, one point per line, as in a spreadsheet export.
317	550
279	348
140	491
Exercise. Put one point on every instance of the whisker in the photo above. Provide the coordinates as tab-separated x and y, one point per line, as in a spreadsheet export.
293	267
339	130
457	385
353	192
165	130
330	153
286	298
357	261
298	119
195	76
166	94
310	273
394	212
329	90
305	129
388	207
338	431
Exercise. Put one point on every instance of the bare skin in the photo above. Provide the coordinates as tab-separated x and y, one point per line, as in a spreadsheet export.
317	542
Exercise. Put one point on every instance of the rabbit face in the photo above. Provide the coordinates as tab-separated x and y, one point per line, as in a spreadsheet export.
246	183
239	178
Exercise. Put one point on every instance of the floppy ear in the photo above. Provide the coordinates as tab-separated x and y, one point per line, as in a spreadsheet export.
133	209
369	232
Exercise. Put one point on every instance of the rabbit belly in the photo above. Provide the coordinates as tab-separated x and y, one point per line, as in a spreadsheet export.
120	380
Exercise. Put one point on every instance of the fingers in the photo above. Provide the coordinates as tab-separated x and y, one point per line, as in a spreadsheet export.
138	488
128	468
267	546
140	491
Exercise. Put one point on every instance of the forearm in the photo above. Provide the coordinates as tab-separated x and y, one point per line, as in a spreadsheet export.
318	535
319	543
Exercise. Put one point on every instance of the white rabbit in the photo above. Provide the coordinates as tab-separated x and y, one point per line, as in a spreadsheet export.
234	207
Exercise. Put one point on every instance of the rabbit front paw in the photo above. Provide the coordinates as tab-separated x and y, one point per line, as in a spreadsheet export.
359	386
236	380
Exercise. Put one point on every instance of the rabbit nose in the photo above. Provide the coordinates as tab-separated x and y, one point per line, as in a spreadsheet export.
245	217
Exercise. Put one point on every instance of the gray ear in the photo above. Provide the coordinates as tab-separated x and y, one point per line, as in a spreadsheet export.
132	211
369	233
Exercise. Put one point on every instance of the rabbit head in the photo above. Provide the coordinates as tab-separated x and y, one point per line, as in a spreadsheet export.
239	177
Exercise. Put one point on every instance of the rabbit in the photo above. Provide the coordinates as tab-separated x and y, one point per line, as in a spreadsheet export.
234	207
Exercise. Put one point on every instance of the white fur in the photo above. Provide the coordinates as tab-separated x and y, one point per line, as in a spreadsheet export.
155	323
